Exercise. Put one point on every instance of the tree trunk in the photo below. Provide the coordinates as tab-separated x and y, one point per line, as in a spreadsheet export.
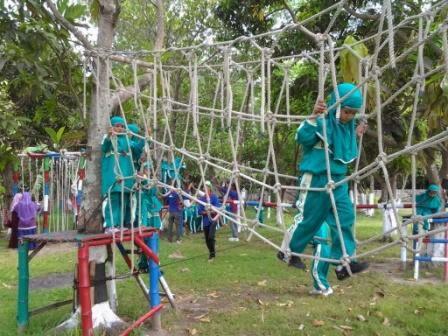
100	109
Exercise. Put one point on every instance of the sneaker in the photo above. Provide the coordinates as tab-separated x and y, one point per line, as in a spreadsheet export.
281	256
355	267
323	292
327	292
231	239
211	258
296	262
236	239
179	241
315	291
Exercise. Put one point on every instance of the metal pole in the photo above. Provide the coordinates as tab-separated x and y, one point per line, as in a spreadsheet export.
154	273
22	299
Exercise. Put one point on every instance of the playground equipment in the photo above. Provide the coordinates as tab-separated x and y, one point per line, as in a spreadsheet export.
55	180
429	239
145	238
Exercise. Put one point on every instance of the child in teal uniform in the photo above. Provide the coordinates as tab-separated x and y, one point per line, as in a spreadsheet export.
341	137
428	203
150	203
115	163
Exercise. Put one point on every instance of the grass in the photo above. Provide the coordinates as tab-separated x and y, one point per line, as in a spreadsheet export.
247	291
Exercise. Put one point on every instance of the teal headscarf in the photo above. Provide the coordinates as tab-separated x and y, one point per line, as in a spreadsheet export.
427	201
116	120
134	128
342	137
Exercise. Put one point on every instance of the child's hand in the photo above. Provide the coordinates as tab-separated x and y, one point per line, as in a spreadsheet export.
319	108
111	132
361	128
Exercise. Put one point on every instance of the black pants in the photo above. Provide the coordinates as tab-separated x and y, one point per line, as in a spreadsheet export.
209	234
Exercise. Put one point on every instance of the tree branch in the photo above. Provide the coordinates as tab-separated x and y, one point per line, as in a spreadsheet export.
290	11
67	25
87	45
362	16
160	15
127	92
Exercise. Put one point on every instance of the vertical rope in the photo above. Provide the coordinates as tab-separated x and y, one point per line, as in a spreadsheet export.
228	87
390	27
263	89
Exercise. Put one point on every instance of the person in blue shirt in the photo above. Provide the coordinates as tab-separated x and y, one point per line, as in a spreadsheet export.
343	149
209	218
175	212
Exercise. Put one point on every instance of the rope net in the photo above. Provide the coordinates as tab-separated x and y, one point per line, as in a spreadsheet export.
206	105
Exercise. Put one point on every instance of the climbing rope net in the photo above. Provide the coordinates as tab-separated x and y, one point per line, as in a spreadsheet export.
55	182
233	91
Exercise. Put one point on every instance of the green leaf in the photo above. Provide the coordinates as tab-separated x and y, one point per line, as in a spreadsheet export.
52	133
59	135
350	59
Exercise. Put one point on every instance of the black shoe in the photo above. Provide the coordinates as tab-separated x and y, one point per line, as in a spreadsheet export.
296	262
281	256
355	267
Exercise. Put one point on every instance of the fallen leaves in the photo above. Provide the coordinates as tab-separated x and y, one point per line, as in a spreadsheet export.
176	255
318	323
213	295
203	318
192	331
361	318
287	304
262	283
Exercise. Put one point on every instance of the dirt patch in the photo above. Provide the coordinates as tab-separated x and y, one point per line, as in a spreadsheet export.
51	281
403	274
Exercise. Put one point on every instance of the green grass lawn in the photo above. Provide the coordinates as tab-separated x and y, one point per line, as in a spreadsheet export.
247	291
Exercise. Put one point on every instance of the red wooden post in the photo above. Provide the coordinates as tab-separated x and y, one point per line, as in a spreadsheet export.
84	290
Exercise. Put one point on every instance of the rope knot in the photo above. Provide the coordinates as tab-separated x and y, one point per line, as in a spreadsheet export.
277	187
236	173
382	157
320	38
330	186
345	261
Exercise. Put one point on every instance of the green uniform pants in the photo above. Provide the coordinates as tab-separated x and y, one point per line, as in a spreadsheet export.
314	207
113	209
322	249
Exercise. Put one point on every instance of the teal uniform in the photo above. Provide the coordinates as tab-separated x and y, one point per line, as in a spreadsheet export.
427	205
191	217
343	150
115	162
150	208
172	171
138	145
322	249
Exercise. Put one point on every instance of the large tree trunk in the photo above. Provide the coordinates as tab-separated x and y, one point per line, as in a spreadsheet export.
100	109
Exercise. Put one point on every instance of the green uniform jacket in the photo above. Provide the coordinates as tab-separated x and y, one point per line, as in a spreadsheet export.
309	135
110	170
